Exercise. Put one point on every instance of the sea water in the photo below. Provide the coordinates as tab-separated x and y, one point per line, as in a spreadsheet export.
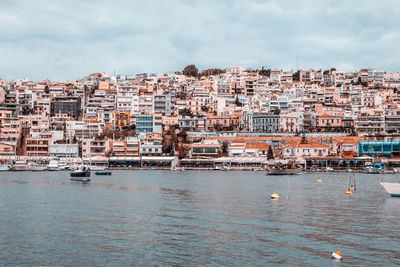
192	218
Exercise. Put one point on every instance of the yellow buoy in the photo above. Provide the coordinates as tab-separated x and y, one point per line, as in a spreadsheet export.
348	192
319	180
275	196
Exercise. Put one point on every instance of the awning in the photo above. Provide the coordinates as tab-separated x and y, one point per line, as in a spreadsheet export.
154	158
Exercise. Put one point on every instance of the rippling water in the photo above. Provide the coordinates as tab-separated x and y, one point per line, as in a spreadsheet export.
196	218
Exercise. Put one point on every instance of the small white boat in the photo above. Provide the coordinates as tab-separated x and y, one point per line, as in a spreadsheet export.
276	171
38	167
21	165
62	166
226	168
396	170
53	165
329	169
97	168
5	167
393	189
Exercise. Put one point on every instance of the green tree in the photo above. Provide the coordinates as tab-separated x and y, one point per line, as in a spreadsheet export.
237	102
265	72
190	70
225	146
205	108
277	111
208	72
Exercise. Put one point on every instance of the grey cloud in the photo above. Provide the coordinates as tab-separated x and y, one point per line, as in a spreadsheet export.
68	39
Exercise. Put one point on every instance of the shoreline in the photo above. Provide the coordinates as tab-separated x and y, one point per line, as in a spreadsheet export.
205	169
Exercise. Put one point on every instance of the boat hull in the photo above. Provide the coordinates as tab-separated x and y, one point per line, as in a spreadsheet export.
80	174
393	189
21	168
103	173
39	168
5	168
284	172
372	170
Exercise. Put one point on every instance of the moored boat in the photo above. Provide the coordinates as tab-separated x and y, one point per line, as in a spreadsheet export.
329	169
276	171
103	173
53	165
80	175
226	168
5	167
62	166
372	170
97	168
290	168
38	167
21	165
393	189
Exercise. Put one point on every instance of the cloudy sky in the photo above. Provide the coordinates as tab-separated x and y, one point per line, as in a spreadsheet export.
66	39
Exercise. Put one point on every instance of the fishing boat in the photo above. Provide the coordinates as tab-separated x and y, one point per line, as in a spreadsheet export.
105	172
276	171
81	174
38	167
21	165
393	189
291	168
53	165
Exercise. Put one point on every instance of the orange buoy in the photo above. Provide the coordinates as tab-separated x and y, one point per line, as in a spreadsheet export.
336	255
348	192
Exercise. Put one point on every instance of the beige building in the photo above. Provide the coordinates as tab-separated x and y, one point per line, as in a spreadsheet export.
130	147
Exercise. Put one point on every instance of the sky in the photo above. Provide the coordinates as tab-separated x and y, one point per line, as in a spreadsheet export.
67	39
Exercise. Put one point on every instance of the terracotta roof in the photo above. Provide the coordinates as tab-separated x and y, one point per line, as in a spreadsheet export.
258	145
306	145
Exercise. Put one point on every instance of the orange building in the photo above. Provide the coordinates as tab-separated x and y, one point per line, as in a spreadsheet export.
122	119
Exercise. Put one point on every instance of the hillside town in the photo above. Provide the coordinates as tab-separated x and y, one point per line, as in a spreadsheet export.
218	118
